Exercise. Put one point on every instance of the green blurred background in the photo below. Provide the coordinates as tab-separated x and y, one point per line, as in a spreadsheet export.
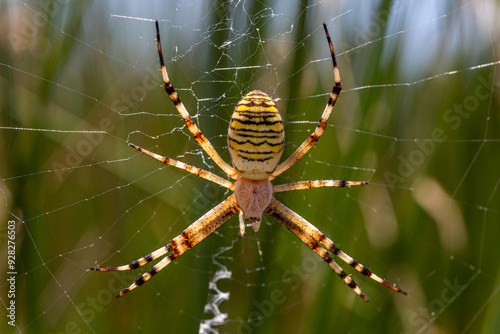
418	118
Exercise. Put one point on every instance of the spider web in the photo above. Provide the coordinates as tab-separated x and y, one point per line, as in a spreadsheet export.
418	118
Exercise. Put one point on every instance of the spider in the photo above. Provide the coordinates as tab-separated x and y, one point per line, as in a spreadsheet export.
255	143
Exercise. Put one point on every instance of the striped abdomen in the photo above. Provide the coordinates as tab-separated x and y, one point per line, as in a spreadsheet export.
255	137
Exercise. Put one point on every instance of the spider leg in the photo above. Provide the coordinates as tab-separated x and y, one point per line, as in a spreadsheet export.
289	219
314	137
242	225
191	236
300	226
204	174
300	185
198	135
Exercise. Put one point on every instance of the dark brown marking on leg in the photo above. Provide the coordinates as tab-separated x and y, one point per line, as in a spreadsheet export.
188	244
140	281
352	284
134	265
158	43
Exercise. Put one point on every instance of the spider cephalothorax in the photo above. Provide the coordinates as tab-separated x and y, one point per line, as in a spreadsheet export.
255	141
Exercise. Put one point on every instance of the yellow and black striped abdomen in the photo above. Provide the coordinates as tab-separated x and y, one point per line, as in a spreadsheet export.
255	137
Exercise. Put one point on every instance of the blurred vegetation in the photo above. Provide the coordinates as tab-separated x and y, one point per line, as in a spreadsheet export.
79	84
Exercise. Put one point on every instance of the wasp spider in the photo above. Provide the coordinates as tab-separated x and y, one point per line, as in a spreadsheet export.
255	142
